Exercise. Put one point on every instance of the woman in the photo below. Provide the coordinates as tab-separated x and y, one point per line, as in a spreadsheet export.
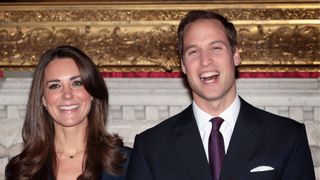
64	130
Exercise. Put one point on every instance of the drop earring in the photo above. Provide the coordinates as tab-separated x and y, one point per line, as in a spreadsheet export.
45	107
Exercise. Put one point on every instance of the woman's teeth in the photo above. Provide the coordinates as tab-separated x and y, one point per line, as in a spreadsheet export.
68	107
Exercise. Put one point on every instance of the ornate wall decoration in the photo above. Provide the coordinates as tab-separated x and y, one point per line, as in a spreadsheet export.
132	37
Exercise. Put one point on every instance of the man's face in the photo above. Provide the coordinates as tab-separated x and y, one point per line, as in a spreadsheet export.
209	63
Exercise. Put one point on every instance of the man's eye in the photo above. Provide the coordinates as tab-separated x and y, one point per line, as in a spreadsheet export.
77	83
217	48
54	86
193	52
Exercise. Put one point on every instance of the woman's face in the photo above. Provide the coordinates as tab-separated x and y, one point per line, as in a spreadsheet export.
65	97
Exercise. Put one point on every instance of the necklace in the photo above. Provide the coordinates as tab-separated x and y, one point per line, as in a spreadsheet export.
71	156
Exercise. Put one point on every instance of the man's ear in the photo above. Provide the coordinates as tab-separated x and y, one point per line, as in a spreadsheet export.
236	57
183	68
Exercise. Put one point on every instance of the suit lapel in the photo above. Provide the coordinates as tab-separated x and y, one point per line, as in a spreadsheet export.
246	135
188	144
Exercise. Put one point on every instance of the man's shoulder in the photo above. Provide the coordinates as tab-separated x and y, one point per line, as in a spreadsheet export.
271	118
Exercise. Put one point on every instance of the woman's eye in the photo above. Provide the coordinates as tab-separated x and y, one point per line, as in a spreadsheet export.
54	86
77	83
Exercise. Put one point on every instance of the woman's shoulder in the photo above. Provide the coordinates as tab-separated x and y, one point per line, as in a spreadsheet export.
106	176
127	151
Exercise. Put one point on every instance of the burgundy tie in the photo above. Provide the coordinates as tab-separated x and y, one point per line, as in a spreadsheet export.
216	148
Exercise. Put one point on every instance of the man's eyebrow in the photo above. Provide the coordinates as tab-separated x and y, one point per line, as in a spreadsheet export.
211	43
217	42
189	47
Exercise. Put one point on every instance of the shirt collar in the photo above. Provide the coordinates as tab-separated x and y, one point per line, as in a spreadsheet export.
229	115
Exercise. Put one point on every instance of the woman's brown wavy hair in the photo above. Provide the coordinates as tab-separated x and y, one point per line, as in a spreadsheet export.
38	158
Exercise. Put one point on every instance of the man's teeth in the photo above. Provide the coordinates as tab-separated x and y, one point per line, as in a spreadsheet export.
208	75
69	107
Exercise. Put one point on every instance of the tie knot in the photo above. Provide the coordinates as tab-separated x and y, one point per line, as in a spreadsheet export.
216	123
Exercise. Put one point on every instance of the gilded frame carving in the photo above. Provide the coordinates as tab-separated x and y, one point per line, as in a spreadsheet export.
141	37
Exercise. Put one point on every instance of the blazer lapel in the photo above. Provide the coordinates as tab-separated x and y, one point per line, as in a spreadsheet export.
246	135
189	147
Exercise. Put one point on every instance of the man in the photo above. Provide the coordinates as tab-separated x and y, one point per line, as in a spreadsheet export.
257	144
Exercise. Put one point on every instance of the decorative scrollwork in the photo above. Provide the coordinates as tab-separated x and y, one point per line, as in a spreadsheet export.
145	39
108	47
151	15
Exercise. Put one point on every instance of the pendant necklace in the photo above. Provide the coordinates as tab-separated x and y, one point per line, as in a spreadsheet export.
71	156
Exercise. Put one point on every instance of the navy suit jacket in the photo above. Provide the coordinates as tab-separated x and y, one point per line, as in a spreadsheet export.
173	149
104	174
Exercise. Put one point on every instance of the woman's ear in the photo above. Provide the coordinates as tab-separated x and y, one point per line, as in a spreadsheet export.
44	102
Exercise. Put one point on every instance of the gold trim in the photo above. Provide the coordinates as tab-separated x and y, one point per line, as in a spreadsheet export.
129	37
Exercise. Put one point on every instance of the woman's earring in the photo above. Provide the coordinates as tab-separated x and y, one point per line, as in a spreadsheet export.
43	103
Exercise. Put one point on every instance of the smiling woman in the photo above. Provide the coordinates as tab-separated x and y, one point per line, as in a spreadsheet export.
65	97
64	130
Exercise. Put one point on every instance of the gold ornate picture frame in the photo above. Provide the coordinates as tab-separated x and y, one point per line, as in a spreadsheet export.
141	36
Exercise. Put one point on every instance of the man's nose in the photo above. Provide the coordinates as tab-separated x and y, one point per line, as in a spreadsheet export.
206	58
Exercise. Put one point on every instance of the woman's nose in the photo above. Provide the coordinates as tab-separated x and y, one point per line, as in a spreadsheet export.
67	93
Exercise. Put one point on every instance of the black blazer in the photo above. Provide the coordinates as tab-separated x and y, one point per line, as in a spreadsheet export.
173	149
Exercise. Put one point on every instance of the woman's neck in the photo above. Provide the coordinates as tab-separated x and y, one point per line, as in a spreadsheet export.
70	140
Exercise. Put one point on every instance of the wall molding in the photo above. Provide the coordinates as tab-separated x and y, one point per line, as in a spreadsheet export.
136	104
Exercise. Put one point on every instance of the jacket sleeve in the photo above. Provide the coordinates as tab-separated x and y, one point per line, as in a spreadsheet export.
138	168
300	165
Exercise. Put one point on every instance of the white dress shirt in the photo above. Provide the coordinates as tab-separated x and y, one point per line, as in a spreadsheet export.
229	116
